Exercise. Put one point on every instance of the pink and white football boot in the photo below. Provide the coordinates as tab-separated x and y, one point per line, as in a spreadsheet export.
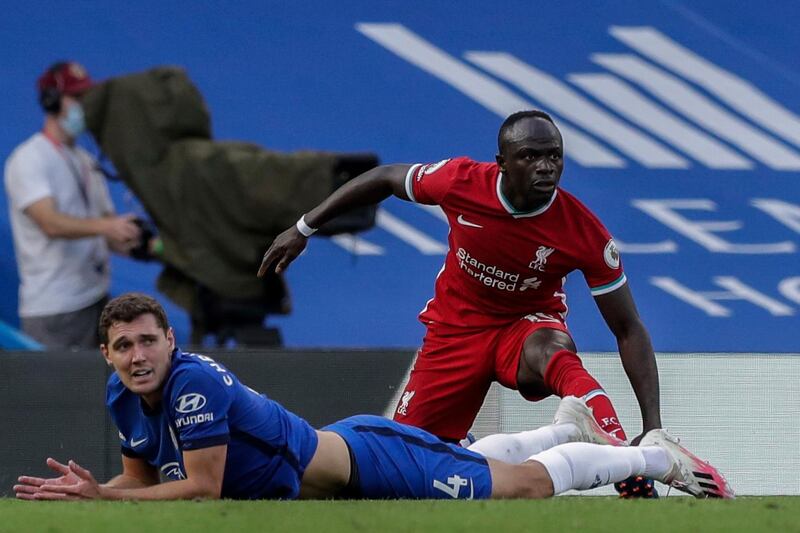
689	473
573	410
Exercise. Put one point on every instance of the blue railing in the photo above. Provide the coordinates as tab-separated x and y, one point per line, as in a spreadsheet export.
13	339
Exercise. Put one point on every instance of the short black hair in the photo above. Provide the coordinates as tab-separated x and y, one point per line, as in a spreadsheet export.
516	117
127	308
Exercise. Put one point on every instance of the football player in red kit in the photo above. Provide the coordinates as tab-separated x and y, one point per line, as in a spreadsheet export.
499	308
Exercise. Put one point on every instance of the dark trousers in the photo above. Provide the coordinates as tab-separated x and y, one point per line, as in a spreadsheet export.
76	329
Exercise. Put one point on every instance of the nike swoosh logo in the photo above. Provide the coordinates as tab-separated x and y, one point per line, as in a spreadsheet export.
464	222
135	443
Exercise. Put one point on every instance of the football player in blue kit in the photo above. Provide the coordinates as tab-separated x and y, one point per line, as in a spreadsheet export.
190	429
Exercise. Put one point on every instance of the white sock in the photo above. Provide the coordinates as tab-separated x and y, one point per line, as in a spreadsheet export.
516	448
583	466
657	462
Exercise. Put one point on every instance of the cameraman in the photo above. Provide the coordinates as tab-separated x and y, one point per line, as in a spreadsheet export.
62	220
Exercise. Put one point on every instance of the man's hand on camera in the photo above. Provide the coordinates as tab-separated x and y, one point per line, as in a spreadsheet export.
121	247
121	228
284	249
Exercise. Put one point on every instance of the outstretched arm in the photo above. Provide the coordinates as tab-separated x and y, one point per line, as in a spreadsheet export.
636	352
371	187
118	230
135	473
204	472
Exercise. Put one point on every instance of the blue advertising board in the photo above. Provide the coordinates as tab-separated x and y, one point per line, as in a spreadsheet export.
681	123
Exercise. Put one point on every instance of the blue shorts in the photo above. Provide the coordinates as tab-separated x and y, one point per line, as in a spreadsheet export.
394	461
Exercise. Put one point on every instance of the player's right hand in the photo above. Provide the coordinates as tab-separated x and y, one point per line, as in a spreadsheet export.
83	487
122	229
28	486
284	249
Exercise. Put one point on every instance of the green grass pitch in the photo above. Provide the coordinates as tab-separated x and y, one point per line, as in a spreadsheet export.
583	514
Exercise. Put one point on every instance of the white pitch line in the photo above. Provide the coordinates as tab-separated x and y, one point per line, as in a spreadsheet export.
562	99
704	111
356	245
637	108
409	234
479	87
738	93
434	210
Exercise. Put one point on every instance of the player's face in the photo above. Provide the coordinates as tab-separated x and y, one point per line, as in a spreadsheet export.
532	159
141	353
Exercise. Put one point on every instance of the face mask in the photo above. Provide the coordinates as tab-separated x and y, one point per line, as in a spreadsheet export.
74	122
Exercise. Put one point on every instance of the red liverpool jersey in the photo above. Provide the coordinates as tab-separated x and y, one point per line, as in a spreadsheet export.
503	264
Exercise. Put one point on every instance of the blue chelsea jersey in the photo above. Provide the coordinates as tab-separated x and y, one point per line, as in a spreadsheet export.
203	405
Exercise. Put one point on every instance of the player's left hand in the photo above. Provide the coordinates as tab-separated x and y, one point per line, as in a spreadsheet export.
83	486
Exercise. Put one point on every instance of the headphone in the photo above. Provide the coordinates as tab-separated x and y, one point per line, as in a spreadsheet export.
50	97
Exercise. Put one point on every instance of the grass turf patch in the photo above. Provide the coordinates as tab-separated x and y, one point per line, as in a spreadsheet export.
557	515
